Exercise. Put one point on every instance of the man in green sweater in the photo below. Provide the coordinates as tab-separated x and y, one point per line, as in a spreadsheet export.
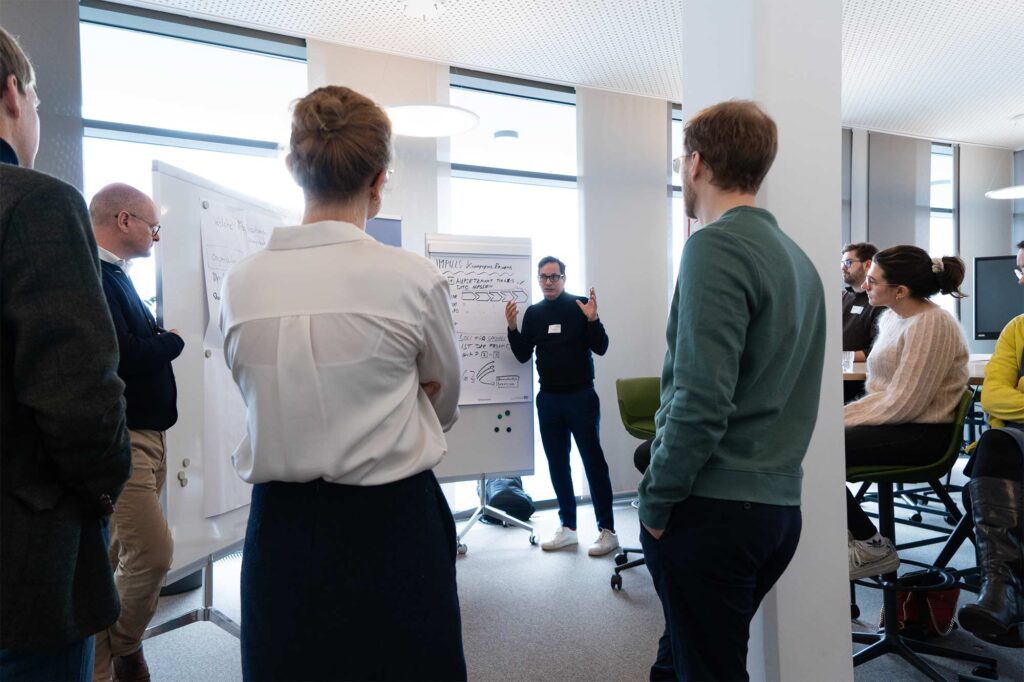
720	501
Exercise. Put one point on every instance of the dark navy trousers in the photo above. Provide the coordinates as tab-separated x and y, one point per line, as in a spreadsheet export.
344	582
712	567
577	414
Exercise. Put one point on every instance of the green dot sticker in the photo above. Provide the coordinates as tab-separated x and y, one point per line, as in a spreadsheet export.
499	416
496	429
508	413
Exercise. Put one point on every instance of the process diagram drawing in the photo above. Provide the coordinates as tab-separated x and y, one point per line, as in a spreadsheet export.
480	287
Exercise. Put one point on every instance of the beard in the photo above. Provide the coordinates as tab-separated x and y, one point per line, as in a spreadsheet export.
689	199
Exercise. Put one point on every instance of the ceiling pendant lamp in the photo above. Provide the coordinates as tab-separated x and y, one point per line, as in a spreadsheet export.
1012	192
431	120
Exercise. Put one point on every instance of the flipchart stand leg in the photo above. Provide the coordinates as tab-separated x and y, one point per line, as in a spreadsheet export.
484	508
207	613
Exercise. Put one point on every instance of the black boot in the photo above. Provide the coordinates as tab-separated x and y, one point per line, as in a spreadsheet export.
996	506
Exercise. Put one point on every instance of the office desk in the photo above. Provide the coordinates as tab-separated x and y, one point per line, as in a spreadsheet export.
975	370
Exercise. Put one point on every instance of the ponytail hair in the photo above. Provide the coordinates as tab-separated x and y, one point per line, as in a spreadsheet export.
925	276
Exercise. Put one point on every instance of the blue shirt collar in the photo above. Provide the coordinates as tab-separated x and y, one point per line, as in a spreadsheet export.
7	154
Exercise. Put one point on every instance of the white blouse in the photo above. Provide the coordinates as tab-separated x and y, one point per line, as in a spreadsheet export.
329	334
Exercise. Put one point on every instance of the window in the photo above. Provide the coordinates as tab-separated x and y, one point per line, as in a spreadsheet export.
679	220
227	126
942	227
521	185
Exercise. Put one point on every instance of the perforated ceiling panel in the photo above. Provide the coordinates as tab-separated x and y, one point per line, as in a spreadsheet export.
946	69
626	46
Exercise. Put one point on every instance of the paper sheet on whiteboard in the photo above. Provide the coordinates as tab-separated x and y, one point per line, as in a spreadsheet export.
481	286
228	235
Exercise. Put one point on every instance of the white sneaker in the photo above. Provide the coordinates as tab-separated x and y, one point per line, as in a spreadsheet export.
606	542
872	557
563	537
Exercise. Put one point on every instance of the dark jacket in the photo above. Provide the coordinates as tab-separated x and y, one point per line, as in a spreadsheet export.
63	441
146	354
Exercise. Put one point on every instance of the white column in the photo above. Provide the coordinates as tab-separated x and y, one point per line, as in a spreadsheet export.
412	192
624	168
786	54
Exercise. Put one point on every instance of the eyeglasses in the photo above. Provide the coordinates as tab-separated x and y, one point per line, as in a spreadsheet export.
870	281
549	278
847	262
153	228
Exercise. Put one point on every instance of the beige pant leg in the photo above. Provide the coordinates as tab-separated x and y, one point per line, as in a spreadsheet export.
144	548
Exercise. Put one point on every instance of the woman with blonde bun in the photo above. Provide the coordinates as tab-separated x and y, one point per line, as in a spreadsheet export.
344	351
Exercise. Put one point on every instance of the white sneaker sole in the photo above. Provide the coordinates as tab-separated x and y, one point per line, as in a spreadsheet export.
887	565
601	551
554	548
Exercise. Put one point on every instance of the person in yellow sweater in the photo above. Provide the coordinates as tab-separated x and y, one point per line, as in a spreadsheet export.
917	371
994	496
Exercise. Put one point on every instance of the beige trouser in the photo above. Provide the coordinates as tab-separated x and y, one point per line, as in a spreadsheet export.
140	550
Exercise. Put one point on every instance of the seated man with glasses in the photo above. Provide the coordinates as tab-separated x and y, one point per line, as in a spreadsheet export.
860	318
565	330
126	225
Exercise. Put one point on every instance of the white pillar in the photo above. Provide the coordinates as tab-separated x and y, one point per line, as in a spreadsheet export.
786	55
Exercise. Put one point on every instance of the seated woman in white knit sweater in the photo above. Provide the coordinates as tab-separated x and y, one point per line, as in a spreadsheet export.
916	375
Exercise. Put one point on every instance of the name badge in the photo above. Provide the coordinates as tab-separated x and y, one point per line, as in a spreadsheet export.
856	310
554	329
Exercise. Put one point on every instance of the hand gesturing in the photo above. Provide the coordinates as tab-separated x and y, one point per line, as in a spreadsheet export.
590	307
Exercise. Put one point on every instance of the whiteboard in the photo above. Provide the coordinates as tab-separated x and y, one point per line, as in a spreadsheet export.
494	433
205	229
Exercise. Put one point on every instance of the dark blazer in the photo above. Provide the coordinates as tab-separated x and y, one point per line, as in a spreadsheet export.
146	353
63	440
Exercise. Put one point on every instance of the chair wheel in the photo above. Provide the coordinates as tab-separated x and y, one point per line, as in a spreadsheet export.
916	517
620	559
533	539
462	549
986	672
616	582
854	612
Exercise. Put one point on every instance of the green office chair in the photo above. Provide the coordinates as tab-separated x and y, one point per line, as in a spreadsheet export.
890	640
639	399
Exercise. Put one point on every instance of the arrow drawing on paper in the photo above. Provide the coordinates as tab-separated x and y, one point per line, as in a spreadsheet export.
519	296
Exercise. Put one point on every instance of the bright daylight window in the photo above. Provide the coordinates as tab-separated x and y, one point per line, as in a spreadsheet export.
942	232
225	126
678	210
520	187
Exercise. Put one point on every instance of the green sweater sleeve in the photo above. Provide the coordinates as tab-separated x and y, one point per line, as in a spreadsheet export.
716	293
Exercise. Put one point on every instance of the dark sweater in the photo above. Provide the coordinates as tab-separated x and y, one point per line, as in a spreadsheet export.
742	376
146	353
564	360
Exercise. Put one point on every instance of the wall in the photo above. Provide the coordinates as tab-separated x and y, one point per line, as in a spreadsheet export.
48	32
985	224
413	191
1018	204
624	150
899	190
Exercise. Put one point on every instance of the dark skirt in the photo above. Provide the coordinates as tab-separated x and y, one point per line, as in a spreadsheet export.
347	582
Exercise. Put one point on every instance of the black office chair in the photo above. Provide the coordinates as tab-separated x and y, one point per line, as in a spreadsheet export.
638	399
891	639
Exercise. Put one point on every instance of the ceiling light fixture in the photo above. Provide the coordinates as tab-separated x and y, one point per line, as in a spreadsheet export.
506	136
423	9
1012	192
431	120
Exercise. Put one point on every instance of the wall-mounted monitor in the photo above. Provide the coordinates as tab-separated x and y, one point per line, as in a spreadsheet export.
998	297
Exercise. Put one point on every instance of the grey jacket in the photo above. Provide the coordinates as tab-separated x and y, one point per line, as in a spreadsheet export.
63	440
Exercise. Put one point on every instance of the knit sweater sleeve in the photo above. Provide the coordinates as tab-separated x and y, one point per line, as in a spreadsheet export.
1002	397
929	347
